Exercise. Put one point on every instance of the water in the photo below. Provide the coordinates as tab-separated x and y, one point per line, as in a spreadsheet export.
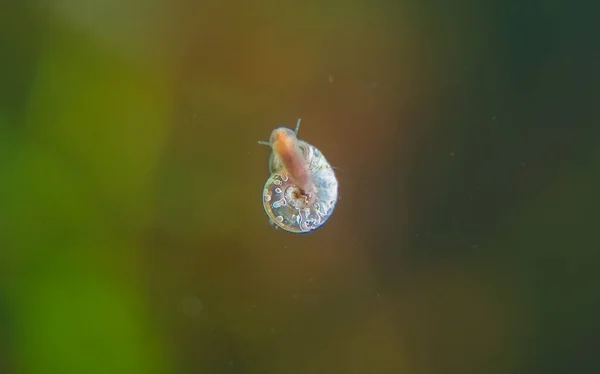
133	237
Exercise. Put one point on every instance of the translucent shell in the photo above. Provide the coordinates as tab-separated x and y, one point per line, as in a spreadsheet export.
290	207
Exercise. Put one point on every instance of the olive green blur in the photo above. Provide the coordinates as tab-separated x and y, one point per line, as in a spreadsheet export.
465	137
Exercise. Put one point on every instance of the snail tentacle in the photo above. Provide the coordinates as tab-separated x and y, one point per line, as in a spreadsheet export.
297	126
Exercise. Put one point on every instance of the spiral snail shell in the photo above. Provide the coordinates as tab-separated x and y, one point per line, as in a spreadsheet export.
302	190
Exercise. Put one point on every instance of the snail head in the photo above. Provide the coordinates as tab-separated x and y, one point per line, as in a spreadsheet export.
286	147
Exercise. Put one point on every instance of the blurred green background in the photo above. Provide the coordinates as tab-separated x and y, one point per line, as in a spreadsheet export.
132	234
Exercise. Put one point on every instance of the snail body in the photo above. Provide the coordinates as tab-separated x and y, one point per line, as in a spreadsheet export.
302	190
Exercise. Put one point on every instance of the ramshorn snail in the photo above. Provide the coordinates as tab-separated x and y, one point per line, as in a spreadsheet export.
302	190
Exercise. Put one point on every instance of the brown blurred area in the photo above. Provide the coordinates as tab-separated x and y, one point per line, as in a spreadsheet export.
132	234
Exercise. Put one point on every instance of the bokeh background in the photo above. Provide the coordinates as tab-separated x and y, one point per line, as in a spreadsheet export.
467	144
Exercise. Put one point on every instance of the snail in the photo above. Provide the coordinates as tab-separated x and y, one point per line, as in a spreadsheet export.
302	190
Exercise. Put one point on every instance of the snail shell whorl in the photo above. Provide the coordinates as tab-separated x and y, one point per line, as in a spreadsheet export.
296	209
